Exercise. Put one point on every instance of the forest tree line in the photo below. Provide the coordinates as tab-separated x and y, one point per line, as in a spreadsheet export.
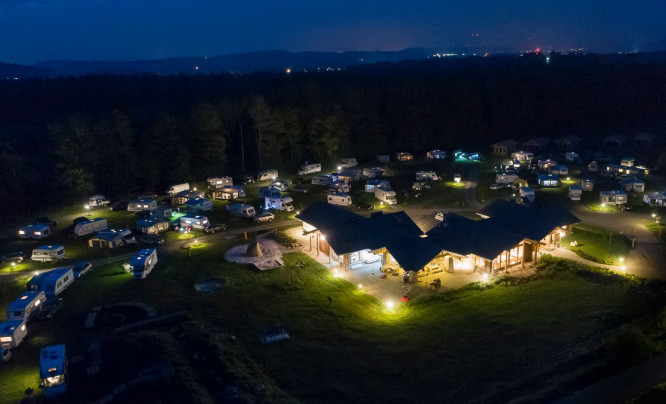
64	139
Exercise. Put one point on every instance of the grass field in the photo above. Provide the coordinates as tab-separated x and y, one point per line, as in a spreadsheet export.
476	343
597	244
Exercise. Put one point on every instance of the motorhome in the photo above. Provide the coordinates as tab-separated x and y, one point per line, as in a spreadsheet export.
112	238
241	210
426	176
174	189
436	154
373	172
143	263
97	200
140	204
199	205
614	197
53	370
340	199
348	162
575	192
48	253
12	333
90	226
323	179
267	175
152	225
52	282
308	168
194	221
548	180
219	182
374	183
279	203
339	187
35	231
505	178
403	156
386	195
26	305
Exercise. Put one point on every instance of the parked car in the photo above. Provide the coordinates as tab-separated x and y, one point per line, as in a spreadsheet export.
150	239
264	217
120	205
46	220
299	188
50	308
215	227
364	206
15	257
5	355
81	268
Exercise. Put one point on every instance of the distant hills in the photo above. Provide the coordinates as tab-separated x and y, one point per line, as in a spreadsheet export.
265	61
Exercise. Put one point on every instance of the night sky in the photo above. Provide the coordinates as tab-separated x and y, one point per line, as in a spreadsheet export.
37	30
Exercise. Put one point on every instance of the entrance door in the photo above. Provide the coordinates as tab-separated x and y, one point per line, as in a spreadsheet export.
528	248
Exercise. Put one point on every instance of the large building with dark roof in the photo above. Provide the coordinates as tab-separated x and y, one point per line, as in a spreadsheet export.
509	234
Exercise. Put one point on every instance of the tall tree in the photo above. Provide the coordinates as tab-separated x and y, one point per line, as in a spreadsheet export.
211	133
76	157
263	123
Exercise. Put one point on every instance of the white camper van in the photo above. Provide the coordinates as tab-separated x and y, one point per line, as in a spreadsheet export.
174	189
90	226
218	182
386	195
348	162
97	200
241	210
12	333
309	168
35	231
340	199
267	175
143	263
426	176
279	203
47	253
25	306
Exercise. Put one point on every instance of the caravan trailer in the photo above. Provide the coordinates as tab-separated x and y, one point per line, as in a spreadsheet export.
140	204
373	172
53	370
323	179
340	199
26	305
218	182
241	210
12	333
143	263
374	183
309	168
279	203
47	253
614	197
195	221
348	162
52	282
97	200
426	176
575	192
90	226
35	231
174	189
267	175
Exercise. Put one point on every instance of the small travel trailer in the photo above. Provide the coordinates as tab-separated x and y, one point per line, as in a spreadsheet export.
436	154
48	253
403	156
241	210
628	162
174	189
308	168
632	184
593	167
194	221
12	333
280	203
323	179
184	196
340	199
571	156
559	169
112	238
522	156
227	193
152	225
505	178
199	205
587	184
53	370
90	226
267	175
426	176
142	204
386	195
575	192
97	200
52	282
374	183
35	231
527	193
614	197
340	187
373	172
26	305
457	177
348	162
143	263
219	182
655	199
548	180
384	158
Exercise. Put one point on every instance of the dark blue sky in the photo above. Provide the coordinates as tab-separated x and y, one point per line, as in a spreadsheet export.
36	30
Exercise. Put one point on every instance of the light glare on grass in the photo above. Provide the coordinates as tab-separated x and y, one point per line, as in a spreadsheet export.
389	304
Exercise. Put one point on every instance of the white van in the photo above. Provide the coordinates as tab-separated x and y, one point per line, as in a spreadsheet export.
48	253
340	199
267	175
174	189
35	231
386	195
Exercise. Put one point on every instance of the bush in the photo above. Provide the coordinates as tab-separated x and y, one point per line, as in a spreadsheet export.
630	345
